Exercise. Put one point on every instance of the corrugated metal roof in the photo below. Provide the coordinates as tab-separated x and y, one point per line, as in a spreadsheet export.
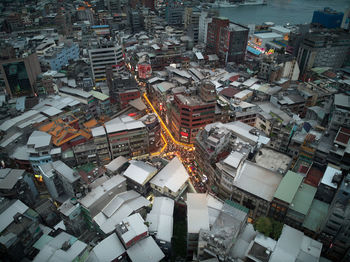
39	139
303	198
288	187
99	95
108	249
197	213
172	176
316	216
145	250
139	171
6	217
9	177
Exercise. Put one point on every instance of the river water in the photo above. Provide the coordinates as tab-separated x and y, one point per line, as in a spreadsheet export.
281	11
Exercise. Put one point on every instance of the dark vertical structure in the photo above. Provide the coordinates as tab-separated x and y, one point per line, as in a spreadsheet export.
227	39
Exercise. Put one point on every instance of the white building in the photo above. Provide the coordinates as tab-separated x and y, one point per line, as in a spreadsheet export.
119	208
204	20
61	181
104	55
171	180
197	219
102	192
160	221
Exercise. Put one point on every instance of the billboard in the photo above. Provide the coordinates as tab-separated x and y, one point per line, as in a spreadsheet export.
145	71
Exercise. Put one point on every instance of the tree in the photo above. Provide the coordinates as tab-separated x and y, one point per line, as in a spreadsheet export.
276	229
269	227
263	225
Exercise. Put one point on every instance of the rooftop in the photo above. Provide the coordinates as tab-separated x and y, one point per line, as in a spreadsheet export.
99	95
257	180
145	250
161	218
303	199
293	245
234	159
54	251
119	208
90	199
273	160
268	35
172	176
108	249
6	217
116	163
317	215
193	100
288	187
342	101
39	139
9	177
75	92
140	172
329	174
197	212
122	124
131	227
98	131
313	176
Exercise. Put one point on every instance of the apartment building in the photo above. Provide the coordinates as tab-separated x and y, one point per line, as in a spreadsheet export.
104	54
61	181
189	113
127	137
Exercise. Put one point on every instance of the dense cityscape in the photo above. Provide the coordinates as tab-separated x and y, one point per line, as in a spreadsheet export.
151	130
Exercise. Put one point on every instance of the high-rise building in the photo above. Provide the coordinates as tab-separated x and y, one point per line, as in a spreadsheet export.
20	74
191	112
204	19
103	54
227	39
323	49
191	22
113	6
174	12
135	20
328	18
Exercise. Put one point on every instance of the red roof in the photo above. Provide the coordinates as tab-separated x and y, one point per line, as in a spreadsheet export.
229	92
313	177
343	136
345	130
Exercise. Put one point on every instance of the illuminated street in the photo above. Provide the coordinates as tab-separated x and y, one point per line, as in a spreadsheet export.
185	152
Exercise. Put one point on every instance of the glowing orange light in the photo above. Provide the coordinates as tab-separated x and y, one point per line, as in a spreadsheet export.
164	126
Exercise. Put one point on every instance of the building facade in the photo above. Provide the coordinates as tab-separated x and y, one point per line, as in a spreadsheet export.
102	55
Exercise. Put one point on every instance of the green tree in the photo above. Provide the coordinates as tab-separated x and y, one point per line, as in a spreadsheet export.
276	229
269	227
263	225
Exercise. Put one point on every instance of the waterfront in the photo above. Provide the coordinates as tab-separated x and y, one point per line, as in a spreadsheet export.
281	11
